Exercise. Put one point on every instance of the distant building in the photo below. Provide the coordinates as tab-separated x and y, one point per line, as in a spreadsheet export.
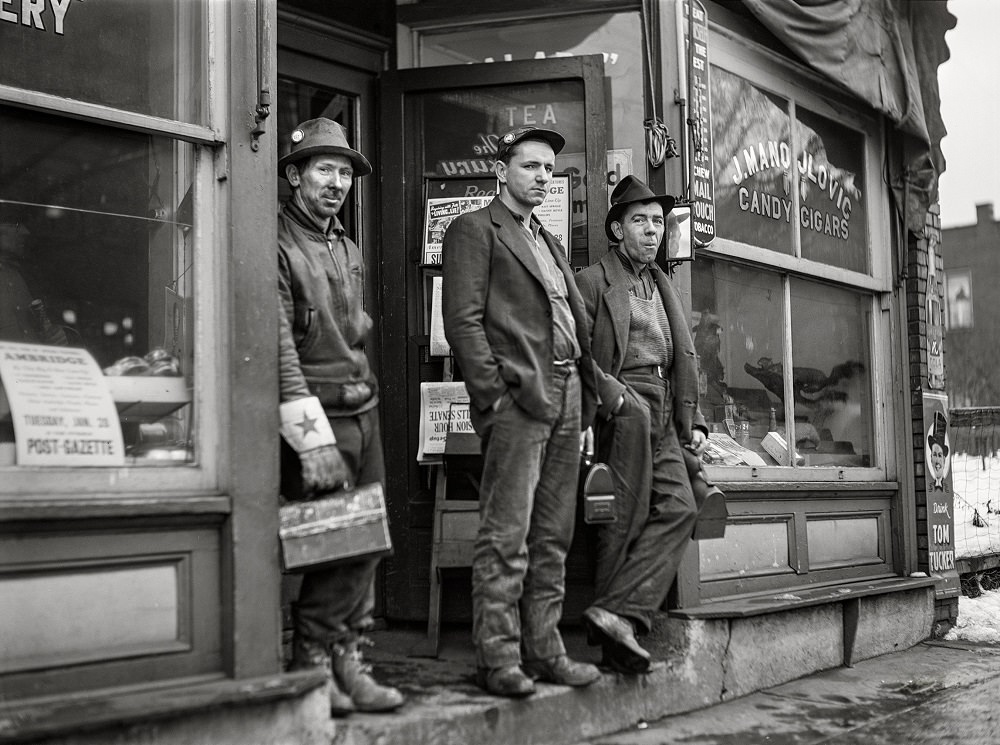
971	255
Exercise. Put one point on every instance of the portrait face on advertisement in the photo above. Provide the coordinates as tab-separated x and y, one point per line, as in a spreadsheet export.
936	452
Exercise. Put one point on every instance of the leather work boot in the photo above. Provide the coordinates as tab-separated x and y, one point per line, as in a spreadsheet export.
354	677
617	637
307	654
562	671
507	681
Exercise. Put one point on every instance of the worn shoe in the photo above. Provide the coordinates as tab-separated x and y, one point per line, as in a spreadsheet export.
509	681
307	654
353	675
561	670
616	635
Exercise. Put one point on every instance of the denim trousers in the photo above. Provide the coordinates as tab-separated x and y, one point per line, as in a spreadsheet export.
638	555
527	508
335	604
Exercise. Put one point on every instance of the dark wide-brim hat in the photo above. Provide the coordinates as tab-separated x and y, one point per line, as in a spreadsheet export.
322	137
628	191
507	141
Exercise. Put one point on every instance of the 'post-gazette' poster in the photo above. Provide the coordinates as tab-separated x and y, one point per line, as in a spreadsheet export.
61	407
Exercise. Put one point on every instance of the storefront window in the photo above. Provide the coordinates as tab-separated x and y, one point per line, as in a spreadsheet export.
144	57
797	191
738	325
96	235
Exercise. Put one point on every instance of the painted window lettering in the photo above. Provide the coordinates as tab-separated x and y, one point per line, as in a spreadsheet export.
39	14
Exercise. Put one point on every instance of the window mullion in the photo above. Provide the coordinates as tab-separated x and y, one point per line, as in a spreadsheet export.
787	366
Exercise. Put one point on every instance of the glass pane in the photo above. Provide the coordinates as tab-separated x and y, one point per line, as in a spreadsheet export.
147	57
97	253
751	145
832	381
831	181
299	102
460	129
737	328
616	36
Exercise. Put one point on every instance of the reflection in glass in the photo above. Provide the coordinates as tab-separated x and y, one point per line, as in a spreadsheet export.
737	322
832	381
96	234
751	143
146	57
830	163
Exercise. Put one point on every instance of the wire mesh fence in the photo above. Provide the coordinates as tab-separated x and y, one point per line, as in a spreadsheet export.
975	468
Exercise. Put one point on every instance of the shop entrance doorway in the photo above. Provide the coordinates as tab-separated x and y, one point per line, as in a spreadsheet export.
439	131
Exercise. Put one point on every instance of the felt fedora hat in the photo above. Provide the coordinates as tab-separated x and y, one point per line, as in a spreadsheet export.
629	190
320	137
510	139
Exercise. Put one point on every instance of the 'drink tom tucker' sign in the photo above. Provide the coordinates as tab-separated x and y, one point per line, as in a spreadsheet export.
61	407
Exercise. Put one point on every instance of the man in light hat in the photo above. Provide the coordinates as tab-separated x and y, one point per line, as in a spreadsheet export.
648	386
329	398
518	329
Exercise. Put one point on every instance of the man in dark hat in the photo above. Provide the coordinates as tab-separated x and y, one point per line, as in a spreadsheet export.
329	398
648	386
518	329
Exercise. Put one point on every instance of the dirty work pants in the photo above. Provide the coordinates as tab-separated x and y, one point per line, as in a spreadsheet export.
335	604
527	507
638	555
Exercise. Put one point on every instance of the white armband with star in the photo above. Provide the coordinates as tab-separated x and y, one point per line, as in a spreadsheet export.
304	424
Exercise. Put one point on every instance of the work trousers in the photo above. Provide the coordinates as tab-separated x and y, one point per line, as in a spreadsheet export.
527	507
335	604
638	555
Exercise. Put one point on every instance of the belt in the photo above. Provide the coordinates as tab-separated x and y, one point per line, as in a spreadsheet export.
659	371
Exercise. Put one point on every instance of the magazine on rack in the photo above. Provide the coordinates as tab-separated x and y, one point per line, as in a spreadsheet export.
440	211
444	408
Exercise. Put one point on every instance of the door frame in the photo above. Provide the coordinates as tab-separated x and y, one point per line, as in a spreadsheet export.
408	485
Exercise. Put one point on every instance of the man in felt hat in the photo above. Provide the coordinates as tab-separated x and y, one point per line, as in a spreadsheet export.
518	330
648	386
329	398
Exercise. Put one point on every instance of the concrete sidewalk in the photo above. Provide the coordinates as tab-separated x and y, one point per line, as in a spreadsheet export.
936	693
445	707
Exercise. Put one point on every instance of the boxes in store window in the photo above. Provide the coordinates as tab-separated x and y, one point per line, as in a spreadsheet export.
775	446
338	527
144	397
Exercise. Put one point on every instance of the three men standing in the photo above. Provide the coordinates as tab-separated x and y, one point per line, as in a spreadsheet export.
329	399
519	332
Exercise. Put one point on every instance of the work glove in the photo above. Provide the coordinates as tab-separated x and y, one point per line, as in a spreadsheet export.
306	429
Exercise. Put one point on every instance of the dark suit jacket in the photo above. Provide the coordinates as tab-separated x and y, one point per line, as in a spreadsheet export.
498	317
605	290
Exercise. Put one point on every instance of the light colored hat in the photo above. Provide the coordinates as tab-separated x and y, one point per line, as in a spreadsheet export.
319	137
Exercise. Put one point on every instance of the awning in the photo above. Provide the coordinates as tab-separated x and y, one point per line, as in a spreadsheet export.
886	52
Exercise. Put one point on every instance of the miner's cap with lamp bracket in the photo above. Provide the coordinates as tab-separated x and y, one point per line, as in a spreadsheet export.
508	140
322	136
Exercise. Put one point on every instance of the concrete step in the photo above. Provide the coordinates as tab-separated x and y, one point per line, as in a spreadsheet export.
702	661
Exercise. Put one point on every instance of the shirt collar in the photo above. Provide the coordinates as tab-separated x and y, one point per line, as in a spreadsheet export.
636	270
293	210
534	225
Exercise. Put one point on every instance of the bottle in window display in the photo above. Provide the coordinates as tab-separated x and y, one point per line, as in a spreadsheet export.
48	332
